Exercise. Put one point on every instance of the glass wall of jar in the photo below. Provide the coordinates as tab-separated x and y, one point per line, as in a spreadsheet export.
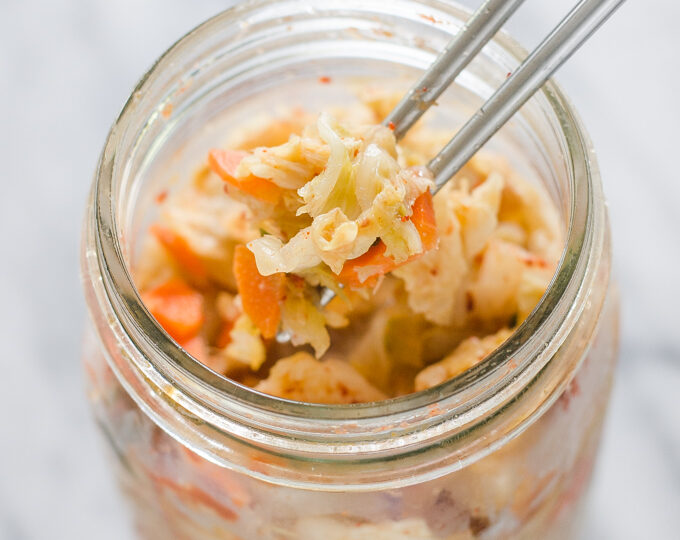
505	450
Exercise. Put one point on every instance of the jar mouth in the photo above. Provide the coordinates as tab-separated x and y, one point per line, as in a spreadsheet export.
477	392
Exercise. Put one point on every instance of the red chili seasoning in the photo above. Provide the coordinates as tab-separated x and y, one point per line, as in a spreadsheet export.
391	126
324	80
427	17
161	196
167	110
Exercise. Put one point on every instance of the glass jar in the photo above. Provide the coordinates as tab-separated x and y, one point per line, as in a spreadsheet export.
505	450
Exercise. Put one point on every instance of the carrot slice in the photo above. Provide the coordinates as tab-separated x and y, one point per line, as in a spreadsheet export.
224	336
424	220
177	307
224	163
190	495
223	478
374	263
369	266
181	251
261	296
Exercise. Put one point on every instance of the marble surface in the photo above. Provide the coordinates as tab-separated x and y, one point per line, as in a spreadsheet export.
65	70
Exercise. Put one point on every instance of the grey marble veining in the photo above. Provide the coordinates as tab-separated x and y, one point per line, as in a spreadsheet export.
65	70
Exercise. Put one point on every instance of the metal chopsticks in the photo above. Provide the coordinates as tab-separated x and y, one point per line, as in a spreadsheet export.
579	24
458	53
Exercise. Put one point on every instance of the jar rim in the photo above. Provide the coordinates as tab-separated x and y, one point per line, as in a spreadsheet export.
472	394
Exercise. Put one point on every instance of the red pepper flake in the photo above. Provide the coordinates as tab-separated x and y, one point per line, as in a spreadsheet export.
511	366
434	410
383	32
161	196
469	301
508	74
325	80
391	126
428	18
185	85
166	111
532	260
224	336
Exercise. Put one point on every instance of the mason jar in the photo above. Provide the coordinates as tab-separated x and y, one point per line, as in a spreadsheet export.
504	450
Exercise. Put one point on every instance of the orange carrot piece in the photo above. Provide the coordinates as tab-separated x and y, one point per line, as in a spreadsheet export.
190	494
375	259
177	307
224	163
224	336
225	479
181	251
424	220
261	296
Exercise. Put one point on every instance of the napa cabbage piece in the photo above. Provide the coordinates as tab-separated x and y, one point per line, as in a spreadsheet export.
289	165
340	205
360	194
301	377
302	320
246	343
527	205
466	219
209	225
509	282
483	262
468	354
389	353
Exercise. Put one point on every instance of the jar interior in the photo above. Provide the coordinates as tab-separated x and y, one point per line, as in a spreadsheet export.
214	89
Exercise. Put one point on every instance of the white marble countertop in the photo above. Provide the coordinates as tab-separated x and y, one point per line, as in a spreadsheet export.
65	70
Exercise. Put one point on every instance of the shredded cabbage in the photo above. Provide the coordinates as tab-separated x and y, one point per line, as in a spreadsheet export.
468	354
361	195
246	345
303	321
301	377
404	317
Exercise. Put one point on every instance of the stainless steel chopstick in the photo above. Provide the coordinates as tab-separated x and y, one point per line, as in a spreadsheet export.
563	41
459	52
579	24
